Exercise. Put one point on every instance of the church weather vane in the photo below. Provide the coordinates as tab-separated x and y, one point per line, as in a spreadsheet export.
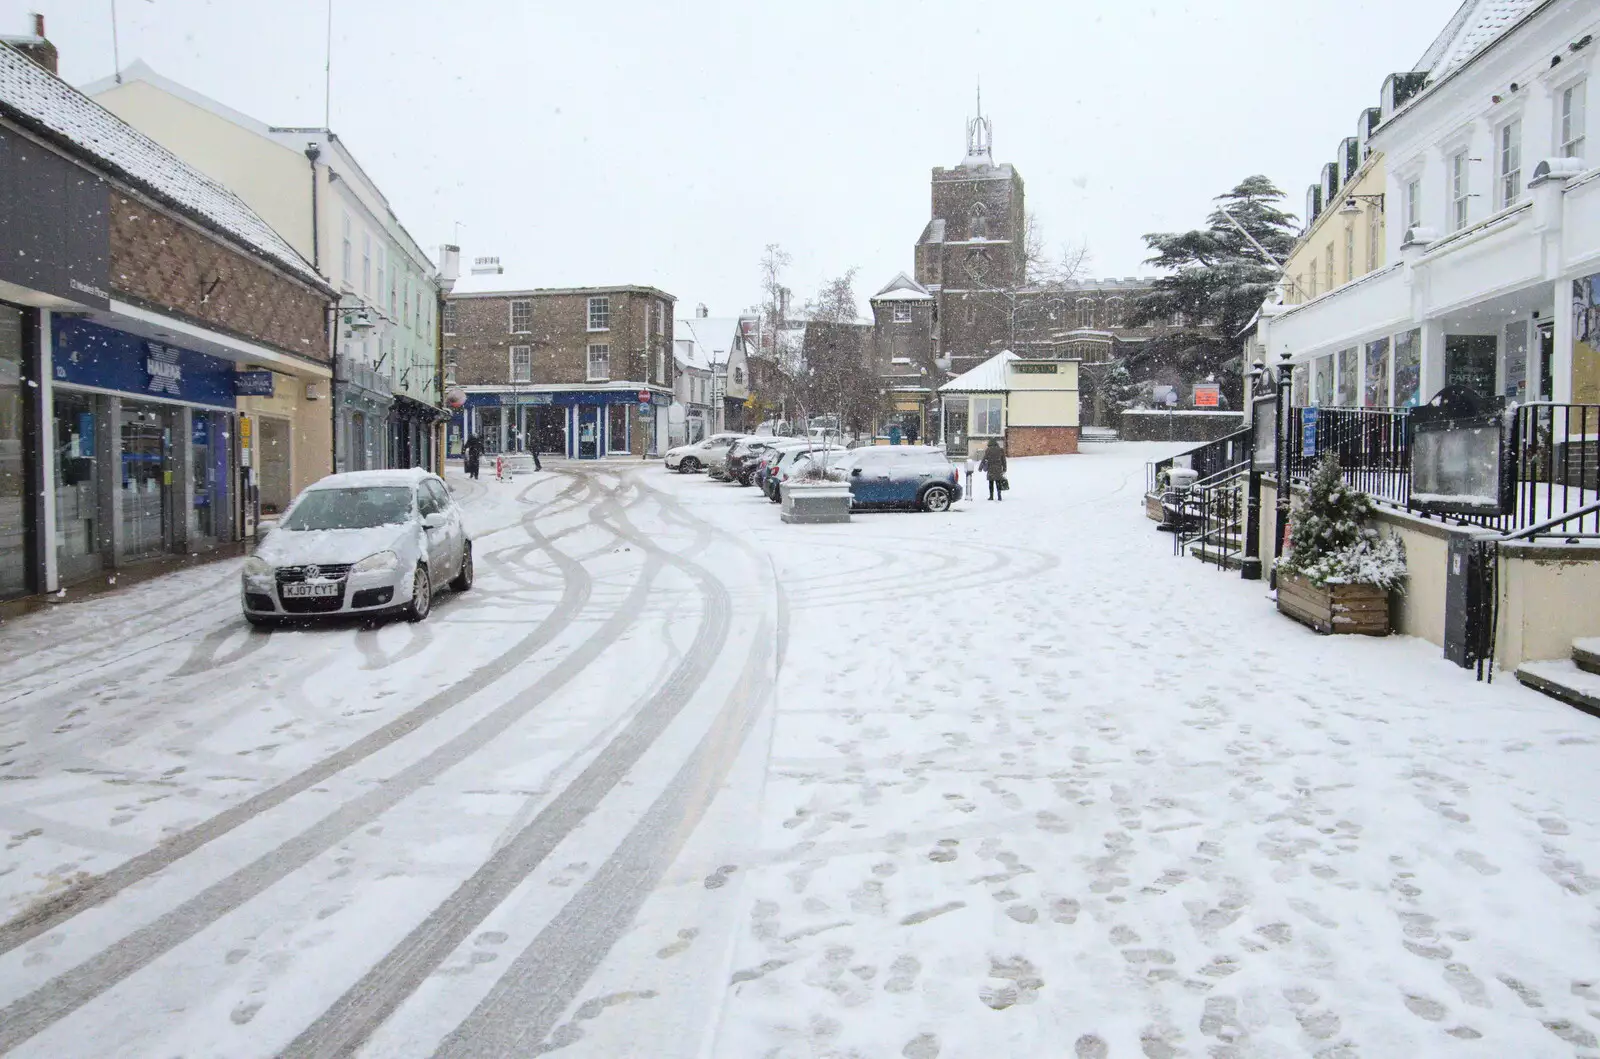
980	135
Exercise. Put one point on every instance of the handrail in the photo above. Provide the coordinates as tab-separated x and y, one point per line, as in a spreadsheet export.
1549	523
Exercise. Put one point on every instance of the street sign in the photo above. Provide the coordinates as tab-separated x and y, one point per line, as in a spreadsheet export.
1308	432
1207	395
644	411
246	440
644	396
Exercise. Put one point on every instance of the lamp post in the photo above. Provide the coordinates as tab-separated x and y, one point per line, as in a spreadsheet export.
1281	460
1250	565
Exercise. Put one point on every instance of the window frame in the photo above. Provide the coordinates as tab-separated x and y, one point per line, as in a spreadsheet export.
1458	181
366	263
1570	145
450	321
1329	265
513	353
902	313
602	349
1085	307
992	411
526	304
1349	252
599	308
383	260
347	257
1413	203
1508	162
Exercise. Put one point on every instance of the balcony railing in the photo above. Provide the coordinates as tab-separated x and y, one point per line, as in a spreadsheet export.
1205	460
1551	455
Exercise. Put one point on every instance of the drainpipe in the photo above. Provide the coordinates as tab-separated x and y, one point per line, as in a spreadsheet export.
313	152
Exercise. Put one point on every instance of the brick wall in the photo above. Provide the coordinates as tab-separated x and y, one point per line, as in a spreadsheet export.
560	336
168	265
1041	441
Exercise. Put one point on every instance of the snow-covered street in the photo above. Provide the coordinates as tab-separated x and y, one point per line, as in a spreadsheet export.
675	779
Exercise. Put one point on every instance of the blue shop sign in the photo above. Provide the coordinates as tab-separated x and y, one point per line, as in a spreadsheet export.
562	398
91	354
252	383
1308	432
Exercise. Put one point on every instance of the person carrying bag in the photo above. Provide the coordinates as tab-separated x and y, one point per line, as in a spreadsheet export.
994	465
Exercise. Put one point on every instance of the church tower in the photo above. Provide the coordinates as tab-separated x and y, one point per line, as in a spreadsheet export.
973	248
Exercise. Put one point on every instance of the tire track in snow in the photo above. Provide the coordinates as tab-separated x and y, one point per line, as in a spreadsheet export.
59	997
351	1019
70	902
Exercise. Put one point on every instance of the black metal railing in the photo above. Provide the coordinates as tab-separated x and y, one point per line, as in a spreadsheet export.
1213	517
1205	460
1552	455
1373	446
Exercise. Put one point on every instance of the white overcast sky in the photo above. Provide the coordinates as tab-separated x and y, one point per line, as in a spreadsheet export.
666	143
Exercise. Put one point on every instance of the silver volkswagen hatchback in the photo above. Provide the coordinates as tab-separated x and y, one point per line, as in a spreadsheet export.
366	542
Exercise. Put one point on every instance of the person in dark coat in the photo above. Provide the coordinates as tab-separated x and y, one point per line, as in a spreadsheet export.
473	451
994	465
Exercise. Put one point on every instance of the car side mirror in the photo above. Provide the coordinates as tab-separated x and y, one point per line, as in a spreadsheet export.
434	520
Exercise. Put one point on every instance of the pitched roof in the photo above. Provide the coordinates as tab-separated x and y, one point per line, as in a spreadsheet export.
1475	25
902	289
988	377
713	337
44	103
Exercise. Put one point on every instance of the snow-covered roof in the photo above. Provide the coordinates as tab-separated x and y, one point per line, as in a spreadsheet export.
1475	26
713	337
48	105
988	377
902	289
934	232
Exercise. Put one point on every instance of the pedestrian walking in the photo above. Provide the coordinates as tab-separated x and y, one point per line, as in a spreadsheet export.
473	453
534	449
994	465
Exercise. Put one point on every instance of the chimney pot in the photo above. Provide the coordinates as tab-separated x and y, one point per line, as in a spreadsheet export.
38	24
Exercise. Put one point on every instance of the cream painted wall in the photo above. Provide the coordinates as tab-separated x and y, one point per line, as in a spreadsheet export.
1042	408
275	180
1545	604
1330	228
310	425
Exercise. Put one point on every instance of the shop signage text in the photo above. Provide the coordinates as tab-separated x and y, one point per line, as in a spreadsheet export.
252	384
161	364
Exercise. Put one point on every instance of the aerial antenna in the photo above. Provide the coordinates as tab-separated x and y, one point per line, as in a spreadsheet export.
116	53
327	75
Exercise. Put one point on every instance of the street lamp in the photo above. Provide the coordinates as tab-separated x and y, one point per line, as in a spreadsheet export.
1281	459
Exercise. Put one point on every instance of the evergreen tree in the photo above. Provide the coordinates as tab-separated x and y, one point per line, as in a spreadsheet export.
1330	541
1216	280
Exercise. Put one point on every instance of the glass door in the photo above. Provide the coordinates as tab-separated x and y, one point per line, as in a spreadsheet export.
588	432
146	480
1469	362
78	537
13	466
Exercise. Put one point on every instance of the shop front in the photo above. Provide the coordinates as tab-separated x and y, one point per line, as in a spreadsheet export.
145	453
580	424
16	557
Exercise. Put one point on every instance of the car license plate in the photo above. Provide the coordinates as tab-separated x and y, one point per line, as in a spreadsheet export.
311	588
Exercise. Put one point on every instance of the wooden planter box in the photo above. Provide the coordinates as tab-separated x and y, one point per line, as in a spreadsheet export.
816	502
1360	609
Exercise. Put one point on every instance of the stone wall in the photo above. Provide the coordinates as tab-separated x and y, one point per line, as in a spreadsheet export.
1154	425
171	266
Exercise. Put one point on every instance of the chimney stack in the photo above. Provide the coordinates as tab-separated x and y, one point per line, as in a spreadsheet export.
36	47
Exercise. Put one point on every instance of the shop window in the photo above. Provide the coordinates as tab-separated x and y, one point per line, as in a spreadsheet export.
13	470
988	417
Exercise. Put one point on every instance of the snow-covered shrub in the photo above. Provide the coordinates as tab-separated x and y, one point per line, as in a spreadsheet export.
1330	541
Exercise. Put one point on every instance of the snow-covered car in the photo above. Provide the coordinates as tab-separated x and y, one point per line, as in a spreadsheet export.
913	477
746	460
366	542
696	456
795	461
717	463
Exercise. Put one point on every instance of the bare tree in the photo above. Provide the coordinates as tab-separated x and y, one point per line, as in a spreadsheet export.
836	302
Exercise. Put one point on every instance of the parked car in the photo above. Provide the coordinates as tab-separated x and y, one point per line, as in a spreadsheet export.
717	466
744	462
794	462
901	476
696	455
366	542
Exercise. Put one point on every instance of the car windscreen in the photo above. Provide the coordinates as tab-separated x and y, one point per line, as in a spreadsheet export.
361	507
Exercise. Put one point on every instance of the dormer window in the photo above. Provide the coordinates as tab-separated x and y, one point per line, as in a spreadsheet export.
902	314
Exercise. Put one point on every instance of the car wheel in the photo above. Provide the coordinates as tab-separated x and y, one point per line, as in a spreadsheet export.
688	465
936	498
463	579
421	595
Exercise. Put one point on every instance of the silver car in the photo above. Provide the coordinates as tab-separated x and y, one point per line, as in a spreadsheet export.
367	542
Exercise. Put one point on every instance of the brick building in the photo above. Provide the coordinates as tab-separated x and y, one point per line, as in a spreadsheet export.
970	295
583	372
141	302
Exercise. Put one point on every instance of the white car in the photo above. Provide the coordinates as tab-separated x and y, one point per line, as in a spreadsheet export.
696	456
366	542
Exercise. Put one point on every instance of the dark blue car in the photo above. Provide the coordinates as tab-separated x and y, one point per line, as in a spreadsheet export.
902	476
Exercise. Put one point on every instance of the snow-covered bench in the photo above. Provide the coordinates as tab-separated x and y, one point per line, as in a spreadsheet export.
510	463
